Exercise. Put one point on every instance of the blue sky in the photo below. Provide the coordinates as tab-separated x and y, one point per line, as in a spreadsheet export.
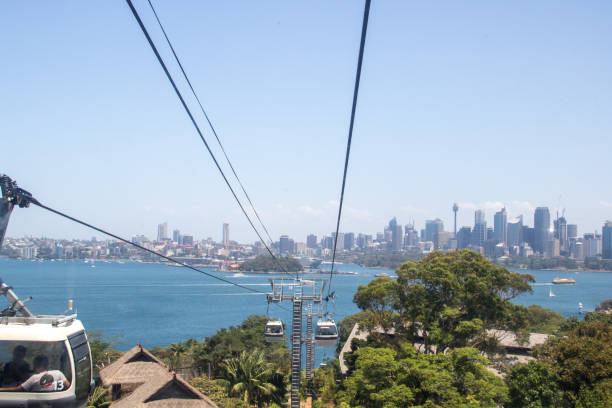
483	103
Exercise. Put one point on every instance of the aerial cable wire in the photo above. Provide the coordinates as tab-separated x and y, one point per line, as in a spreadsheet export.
195	124
364	30
178	61
117	237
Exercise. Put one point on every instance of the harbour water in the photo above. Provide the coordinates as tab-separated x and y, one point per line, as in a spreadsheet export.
156	305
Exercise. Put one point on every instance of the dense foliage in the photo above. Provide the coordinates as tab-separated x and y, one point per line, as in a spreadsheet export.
269	264
381	259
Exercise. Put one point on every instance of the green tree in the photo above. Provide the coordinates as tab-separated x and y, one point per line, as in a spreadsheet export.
378	298
177	350
533	385
248	376
386	378
216	392
102	351
99	398
451	298
269	264
582	362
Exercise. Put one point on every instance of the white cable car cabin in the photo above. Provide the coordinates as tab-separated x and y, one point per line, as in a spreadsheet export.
326	333
54	346
274	331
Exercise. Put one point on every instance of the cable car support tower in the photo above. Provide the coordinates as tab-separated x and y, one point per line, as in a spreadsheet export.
299	292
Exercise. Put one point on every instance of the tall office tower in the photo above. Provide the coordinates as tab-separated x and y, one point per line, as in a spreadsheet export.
187	239
591	244
327	242
515	227
561	233
285	245
528	236
500	222
225	234
432	227
606	235
464	237
176	236
162	231
455	209
541	226
441	239
361	242
397	239
349	240
311	241
411	236
479	233
340	244
572	231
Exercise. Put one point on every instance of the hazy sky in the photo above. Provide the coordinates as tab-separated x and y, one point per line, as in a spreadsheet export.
479	102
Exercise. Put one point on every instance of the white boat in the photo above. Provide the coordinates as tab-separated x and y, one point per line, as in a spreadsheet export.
550	293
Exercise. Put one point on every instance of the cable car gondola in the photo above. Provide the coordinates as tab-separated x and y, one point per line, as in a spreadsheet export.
326	333
45	361
274	331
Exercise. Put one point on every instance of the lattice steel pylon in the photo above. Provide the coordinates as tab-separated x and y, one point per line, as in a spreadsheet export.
299	291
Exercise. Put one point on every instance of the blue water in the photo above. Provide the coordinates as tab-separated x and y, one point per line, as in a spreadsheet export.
156	305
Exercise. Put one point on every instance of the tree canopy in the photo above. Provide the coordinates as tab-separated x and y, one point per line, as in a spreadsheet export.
268	264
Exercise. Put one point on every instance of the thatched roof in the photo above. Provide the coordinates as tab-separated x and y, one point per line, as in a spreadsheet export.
151	382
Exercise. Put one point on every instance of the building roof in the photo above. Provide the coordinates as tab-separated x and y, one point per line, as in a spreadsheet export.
153	384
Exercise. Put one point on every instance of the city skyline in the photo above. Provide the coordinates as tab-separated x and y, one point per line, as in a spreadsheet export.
456	104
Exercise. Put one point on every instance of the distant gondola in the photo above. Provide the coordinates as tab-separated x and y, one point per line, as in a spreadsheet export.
326	333
274	331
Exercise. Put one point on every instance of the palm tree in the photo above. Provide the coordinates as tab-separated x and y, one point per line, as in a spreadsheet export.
248	377
99	398
177	350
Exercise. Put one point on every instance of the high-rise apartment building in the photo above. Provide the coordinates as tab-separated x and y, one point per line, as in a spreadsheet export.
162	231
541	226
226	234
606	235
176	236
500	224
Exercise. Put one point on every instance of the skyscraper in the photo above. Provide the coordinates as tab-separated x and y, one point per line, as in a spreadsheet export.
455	209
226	234
500	224
514	232
432	227
479	233
311	241
464	236
606	234
162	231
572	231
285	245
541	226
349	240
176	236
340	244
561	233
